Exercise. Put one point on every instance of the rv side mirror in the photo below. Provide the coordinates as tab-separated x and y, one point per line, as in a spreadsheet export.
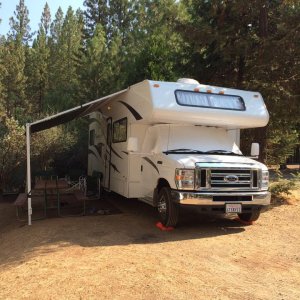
132	145
255	149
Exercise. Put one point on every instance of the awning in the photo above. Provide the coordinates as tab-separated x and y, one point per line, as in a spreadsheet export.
58	119
71	114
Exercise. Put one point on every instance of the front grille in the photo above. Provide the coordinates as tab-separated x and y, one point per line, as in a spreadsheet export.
222	178
229	178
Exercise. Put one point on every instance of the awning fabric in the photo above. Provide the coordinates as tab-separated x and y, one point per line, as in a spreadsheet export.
71	114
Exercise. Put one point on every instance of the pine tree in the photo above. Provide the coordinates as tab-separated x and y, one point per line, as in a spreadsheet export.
46	19
14	60
65	45
14	79
156	49
20	29
38	64
97	12
38	60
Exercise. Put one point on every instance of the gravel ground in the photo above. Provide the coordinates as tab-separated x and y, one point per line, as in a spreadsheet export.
124	256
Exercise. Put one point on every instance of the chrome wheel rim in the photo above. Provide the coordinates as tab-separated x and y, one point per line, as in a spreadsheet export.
162	206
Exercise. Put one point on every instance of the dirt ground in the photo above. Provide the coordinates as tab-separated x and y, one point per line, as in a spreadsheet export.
124	256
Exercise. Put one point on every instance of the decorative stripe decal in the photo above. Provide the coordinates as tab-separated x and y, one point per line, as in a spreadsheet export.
116	153
151	163
114	167
92	153
99	148
132	110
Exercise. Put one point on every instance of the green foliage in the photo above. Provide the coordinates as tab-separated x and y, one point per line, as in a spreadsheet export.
100	65
251	45
283	186
48	143
12	150
38	72
83	55
14	79
20	29
65	45
46	19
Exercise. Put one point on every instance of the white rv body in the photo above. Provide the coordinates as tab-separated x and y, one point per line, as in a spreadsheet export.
150	114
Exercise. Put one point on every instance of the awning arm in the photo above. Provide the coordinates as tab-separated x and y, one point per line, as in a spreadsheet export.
28	172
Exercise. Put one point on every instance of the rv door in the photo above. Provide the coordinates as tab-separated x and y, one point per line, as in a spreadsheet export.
108	154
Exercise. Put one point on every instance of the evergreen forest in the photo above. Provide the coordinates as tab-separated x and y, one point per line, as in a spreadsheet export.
81	55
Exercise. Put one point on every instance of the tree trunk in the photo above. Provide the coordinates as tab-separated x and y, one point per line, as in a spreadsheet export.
241	71
263	20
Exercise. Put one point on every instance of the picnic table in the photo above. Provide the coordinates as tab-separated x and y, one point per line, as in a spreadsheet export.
51	191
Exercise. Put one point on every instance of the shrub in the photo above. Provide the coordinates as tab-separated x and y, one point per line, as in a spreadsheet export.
12	151
282	187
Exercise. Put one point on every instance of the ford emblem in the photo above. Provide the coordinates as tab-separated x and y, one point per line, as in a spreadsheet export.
231	178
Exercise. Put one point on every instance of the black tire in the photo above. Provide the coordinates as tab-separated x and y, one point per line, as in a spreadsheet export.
167	209
250	217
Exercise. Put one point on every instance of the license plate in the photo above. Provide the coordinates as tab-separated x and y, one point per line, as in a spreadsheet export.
233	208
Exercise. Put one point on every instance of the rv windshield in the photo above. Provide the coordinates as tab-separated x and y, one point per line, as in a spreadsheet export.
200	140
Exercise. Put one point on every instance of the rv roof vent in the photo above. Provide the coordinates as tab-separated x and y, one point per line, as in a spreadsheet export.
188	81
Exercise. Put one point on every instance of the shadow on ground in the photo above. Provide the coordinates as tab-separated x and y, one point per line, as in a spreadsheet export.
135	225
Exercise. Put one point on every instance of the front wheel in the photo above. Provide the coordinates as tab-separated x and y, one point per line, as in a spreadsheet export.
250	217
167	209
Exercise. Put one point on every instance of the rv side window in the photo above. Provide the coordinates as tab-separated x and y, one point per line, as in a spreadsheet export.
108	139
120	131
92	137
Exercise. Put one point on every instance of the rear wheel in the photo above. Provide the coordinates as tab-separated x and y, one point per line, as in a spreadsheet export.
249	217
167	209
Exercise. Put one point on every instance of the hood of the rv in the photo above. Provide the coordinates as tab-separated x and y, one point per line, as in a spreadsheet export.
190	160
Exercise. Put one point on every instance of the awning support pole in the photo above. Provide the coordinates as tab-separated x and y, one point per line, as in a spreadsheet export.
28	172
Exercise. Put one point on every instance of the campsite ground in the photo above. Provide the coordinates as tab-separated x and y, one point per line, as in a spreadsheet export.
124	256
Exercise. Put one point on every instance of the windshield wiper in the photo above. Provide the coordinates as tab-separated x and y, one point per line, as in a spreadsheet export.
183	151
192	151
222	152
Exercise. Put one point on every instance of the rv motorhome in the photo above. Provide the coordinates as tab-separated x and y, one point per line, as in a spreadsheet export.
177	143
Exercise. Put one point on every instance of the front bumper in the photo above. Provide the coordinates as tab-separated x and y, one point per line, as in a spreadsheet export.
208	199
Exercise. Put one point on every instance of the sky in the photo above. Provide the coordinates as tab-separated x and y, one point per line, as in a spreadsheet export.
35	8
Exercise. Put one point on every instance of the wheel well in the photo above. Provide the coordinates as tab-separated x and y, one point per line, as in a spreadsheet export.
160	184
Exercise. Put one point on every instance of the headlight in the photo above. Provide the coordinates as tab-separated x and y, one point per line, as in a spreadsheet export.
264	180
184	179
